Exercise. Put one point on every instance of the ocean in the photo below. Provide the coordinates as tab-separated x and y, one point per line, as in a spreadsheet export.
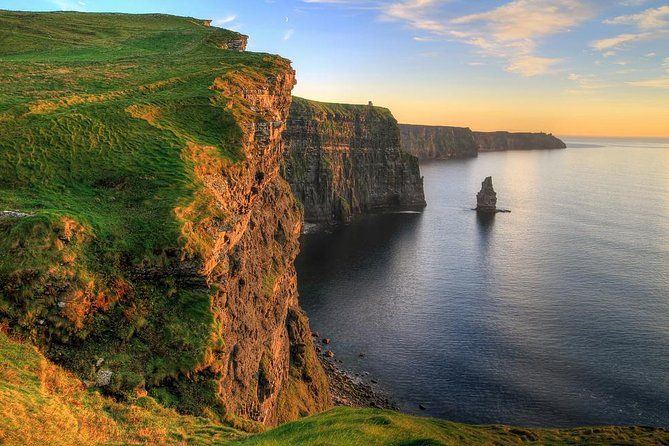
556	314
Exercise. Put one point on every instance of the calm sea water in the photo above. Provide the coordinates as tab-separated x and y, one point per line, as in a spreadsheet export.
556	314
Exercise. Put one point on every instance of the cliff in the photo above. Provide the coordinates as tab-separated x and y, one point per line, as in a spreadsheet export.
345	160
444	142
499	141
438	142
150	243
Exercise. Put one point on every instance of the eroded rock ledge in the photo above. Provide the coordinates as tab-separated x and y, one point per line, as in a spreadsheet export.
345	160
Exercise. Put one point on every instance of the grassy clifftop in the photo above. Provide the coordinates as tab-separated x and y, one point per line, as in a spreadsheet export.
333	111
95	110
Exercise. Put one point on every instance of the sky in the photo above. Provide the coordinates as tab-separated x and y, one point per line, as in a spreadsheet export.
570	67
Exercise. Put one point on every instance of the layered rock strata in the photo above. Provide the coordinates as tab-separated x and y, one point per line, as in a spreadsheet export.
445	142
345	160
438	142
500	141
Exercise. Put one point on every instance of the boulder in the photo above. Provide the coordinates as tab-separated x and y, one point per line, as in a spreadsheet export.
103	377
14	214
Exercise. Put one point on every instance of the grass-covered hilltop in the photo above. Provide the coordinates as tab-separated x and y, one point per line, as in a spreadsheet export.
147	239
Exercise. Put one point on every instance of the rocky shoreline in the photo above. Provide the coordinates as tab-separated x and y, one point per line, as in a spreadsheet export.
349	389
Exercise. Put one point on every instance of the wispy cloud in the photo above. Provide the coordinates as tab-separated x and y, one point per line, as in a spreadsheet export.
649	19
511	32
288	34
588	81
224	20
419	14
515	31
650	24
661	82
617	41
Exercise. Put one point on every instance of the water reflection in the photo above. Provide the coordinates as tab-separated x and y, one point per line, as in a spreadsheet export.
485	221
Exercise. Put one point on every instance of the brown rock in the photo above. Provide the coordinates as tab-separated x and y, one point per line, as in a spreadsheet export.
438	142
486	199
345	160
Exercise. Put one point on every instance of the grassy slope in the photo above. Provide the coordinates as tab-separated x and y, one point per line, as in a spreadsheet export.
70	144
40	403
96	115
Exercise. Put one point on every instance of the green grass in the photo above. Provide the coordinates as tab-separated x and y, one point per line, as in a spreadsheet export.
308	107
370	427
98	115
40	403
92	160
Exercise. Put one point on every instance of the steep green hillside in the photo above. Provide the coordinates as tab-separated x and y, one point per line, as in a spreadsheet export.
42	404
98	117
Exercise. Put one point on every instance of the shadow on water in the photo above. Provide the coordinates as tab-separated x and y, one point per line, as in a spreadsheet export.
485	223
325	255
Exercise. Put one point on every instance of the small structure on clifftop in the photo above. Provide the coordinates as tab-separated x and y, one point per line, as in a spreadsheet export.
486	199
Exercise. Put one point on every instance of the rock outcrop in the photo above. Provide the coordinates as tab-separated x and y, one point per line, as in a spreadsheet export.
14	214
486	198
500	141
345	160
438	142
238	44
444	142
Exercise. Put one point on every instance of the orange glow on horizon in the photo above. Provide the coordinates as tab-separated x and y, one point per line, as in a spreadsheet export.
557	113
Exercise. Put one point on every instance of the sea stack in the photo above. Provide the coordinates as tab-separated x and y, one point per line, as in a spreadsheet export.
486	199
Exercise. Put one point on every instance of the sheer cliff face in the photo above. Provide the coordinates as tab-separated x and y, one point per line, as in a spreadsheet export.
498	141
345	160
264	363
162	264
443	142
438	142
